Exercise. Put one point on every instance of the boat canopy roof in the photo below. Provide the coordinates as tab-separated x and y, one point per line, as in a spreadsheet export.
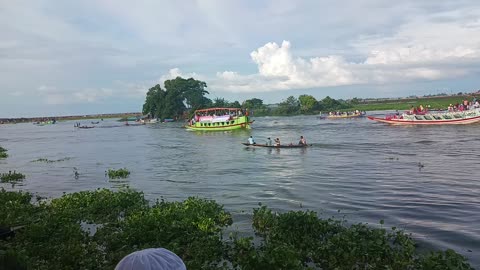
217	109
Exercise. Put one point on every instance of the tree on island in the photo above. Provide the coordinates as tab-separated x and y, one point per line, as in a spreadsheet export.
179	94
307	104
289	106
223	103
254	103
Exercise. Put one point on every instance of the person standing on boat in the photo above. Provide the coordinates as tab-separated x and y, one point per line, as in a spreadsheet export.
302	141
251	140
269	141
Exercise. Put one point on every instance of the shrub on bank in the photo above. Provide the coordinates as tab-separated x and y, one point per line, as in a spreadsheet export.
95	229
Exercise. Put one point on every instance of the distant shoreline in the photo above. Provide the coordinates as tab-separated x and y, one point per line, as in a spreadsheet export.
14	120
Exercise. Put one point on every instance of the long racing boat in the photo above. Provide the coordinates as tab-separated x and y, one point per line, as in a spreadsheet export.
219	119
345	116
441	118
278	146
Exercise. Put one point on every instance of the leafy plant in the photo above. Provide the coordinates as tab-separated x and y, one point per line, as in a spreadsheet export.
298	240
55	235
11	177
116	174
50	160
96	229
3	152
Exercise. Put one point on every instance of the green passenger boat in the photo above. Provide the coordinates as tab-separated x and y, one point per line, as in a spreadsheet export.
219	119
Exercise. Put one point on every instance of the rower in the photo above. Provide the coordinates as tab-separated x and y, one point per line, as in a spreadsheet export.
269	141
302	141
250	140
277	142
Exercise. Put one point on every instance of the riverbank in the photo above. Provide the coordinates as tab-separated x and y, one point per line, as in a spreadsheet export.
69	117
433	103
96	229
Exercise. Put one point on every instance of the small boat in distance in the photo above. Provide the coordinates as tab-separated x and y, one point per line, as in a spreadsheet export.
344	115
149	121
439	118
278	146
219	119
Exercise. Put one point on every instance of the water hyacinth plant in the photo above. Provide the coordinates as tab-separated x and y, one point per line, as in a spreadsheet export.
116	174
3	152
51	160
11	177
54	236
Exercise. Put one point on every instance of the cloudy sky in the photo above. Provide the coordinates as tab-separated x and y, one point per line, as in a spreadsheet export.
100	56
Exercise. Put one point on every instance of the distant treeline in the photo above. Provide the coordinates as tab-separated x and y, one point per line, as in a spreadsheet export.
65	118
181	97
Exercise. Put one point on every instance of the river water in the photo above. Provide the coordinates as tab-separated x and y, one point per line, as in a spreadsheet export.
369	171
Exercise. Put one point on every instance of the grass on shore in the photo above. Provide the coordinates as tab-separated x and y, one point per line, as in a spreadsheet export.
405	104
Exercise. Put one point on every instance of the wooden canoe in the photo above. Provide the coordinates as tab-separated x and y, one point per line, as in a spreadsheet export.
280	146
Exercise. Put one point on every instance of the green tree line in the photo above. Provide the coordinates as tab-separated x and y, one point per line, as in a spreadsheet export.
183	96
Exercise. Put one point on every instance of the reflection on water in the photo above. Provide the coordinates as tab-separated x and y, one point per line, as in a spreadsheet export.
367	170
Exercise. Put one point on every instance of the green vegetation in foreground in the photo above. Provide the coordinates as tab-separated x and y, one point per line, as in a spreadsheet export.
11	177
3	152
55	236
116	174
50	160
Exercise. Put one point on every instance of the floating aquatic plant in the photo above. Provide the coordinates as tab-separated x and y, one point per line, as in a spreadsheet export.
11	177
116	174
53	235
3	152
51	160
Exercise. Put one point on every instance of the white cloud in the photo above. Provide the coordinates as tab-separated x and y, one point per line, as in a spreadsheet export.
176	72
17	93
91	95
55	99
420	50
52	95
46	89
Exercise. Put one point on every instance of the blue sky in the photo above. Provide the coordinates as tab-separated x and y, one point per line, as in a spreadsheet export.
100	56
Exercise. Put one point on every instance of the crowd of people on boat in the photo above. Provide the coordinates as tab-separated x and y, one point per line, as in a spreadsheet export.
418	110
276	141
464	106
350	113
220	115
